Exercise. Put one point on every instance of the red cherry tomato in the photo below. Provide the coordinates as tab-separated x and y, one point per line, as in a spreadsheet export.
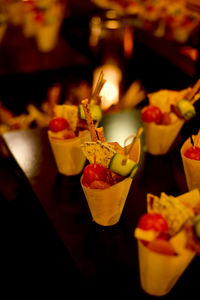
39	17
193	153
69	134
166	120
94	172
161	246
99	184
151	113
58	124
153	221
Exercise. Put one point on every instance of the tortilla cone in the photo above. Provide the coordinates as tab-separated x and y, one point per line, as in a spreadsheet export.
159	138
69	158
159	272
191	168
106	205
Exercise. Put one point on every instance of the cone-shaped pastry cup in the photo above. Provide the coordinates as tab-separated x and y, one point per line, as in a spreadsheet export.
106	205
191	168
69	158
159	272
47	37
29	26
159	138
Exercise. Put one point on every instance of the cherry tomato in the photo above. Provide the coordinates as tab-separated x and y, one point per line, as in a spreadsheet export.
151	113
39	17
69	134
153	221
58	124
193	153
161	246
94	172
166	120
99	184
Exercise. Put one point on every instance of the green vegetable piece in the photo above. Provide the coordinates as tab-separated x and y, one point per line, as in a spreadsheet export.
134	171
118	166
95	112
186	109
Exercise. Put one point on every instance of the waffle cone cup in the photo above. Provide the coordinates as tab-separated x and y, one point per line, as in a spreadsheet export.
69	158
106	205
159	138
159	272
191	168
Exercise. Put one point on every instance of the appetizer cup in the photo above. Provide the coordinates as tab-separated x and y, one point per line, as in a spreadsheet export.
160	272
162	239
106	205
67	153
191	168
159	138
47	37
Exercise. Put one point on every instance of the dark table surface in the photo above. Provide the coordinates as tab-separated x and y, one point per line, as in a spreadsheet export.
106	257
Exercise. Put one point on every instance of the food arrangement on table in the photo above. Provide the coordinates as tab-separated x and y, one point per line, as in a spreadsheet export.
110	172
168	235
164	244
167	19
165	115
41	19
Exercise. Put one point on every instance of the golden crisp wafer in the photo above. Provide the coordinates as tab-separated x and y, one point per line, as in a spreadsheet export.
89	120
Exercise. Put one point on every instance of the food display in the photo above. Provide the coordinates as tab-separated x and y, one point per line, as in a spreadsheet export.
165	115
109	173
48	19
190	154
68	129
167	240
168	19
41	19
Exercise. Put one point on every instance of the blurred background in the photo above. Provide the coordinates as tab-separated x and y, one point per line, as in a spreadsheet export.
143	45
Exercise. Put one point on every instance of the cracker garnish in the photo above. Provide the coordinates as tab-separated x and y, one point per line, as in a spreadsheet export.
69	112
98	152
171	208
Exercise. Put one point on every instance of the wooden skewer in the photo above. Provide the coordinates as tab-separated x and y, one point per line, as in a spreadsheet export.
100	83
100	134
197	140
135	138
89	120
193	91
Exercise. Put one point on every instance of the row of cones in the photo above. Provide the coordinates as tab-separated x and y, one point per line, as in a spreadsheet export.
158	272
